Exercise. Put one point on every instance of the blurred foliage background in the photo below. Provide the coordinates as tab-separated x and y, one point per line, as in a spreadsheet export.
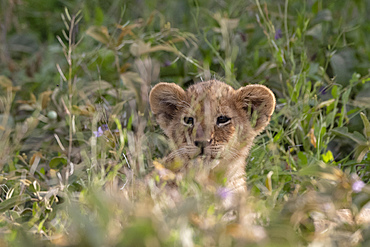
77	139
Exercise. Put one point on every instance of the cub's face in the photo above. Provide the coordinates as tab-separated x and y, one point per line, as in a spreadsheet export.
210	120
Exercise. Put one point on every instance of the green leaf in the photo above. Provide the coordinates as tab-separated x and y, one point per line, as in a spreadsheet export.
361	151
345	96
322	131
343	131
335	92
315	31
278	135
366	125
343	65
57	162
323	15
302	156
99	16
311	170
359	136
14	201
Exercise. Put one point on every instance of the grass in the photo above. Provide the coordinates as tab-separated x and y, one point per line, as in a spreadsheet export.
78	140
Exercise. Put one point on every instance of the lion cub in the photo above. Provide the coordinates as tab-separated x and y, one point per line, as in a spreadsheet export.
211	126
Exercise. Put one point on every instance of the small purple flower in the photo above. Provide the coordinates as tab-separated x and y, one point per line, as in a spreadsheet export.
278	34
357	186
323	90
167	63
223	192
104	127
101	130
98	133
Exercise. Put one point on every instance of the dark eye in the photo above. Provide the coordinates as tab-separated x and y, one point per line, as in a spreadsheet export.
189	121
222	120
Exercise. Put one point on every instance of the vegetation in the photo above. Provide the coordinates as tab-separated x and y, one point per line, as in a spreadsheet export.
79	147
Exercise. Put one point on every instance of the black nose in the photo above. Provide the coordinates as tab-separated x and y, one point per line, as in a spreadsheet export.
201	144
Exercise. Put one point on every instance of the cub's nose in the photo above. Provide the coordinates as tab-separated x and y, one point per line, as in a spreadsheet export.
201	145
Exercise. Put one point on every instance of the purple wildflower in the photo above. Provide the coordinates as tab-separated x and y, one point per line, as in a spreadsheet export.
167	63
104	127
323	90
101	130
98	133
223	193
278	34
357	186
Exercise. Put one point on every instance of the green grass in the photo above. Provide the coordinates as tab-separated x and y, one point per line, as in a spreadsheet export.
78	140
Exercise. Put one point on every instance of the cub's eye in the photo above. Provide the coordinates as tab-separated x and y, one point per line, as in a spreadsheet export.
223	120
189	121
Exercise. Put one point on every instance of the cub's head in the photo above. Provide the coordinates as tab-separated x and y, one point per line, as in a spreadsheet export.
211	120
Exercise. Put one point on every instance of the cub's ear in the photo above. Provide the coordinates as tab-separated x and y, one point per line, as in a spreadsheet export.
165	100
259	103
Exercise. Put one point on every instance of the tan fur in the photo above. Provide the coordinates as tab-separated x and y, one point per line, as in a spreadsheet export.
209	144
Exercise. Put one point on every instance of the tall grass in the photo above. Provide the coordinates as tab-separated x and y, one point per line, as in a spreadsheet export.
79	147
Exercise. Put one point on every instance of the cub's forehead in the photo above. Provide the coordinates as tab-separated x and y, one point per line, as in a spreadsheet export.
211	90
210	98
